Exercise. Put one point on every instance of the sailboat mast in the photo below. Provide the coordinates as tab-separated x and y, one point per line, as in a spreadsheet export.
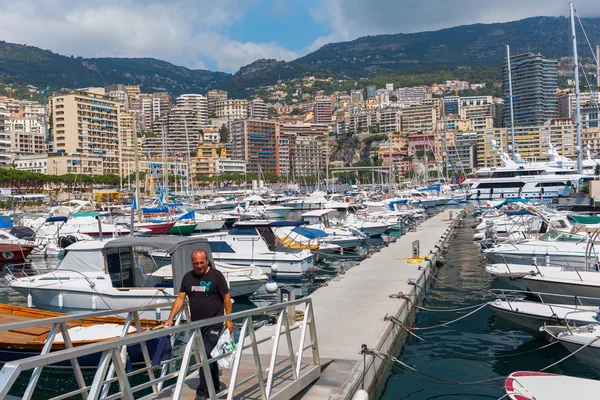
577	94
512	111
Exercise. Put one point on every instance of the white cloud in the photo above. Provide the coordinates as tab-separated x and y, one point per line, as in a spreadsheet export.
165	30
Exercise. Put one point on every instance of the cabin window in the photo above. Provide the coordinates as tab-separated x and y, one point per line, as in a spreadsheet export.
120	267
243	230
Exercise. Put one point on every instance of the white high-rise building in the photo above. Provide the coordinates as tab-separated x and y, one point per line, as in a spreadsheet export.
196	102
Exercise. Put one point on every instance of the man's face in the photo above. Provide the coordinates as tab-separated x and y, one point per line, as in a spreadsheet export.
199	263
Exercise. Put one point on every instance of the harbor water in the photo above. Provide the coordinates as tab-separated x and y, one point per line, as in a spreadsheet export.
446	361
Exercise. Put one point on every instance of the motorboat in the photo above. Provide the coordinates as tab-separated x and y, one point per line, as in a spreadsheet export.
530	316
584	341
108	275
527	385
371	228
513	274
29	342
243	280
316	201
91	225
258	205
255	243
583	284
319	220
561	247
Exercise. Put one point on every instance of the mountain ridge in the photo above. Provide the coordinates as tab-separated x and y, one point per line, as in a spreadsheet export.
474	46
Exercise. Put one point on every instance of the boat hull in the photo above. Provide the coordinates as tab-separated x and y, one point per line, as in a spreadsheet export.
11	252
185	229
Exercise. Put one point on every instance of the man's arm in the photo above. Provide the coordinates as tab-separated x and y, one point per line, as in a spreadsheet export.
176	308
228	308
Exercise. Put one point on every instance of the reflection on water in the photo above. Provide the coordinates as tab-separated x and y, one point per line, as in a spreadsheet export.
486	344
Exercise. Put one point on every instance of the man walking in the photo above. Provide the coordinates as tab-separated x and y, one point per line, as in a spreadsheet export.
208	294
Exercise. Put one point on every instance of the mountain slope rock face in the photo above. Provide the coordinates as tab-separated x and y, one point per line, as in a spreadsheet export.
478	45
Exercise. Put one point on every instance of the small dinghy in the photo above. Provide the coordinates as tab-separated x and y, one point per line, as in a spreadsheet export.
27	342
525	385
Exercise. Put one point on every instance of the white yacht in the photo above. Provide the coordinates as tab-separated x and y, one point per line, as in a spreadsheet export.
562	249
343	237
513	179
258	205
255	243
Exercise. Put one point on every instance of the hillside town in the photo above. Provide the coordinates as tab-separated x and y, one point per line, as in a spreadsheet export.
292	130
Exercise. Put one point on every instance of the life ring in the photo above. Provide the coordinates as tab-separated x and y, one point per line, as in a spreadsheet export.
8	255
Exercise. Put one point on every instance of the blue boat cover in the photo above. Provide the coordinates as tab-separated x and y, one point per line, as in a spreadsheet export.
56	219
399	201
436	187
155	210
519	212
188	215
5	222
278	224
310	233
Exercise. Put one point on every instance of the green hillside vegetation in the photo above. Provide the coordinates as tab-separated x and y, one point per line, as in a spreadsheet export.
472	52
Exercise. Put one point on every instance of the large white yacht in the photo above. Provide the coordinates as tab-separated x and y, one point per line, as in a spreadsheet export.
518	179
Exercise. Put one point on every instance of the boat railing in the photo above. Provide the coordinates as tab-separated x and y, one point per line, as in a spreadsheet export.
34	271
509	295
112	366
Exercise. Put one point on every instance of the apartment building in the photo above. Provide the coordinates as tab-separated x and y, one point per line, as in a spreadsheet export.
257	109
213	97
6	156
86	124
27	135
418	119
534	87
232	109
257	143
32	163
229	166
197	103
307	148
323	111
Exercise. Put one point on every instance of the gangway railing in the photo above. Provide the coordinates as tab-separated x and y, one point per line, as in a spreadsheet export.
113	352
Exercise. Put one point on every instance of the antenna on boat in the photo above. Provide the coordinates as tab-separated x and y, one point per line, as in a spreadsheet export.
512	112
577	94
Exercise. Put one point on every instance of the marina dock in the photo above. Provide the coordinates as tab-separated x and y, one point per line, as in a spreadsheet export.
351	311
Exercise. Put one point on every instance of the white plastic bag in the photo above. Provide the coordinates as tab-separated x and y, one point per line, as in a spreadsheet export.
225	345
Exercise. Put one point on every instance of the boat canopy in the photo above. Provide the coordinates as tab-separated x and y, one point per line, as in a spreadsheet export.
155	210
585	219
431	188
513	200
519	213
180	250
309	233
5	222
279	224
57	218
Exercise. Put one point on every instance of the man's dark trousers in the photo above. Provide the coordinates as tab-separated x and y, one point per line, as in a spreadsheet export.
210	336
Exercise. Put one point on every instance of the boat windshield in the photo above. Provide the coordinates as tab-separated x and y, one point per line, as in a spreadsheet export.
557	236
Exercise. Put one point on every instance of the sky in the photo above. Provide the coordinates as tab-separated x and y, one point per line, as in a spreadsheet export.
225	35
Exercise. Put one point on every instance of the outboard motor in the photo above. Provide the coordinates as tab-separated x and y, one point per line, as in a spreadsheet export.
65	241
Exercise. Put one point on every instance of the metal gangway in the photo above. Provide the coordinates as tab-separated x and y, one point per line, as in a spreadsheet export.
286	374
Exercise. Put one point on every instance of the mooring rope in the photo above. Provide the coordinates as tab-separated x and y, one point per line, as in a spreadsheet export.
409	331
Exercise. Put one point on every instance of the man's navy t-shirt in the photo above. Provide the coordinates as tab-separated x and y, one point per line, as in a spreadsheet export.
205	293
